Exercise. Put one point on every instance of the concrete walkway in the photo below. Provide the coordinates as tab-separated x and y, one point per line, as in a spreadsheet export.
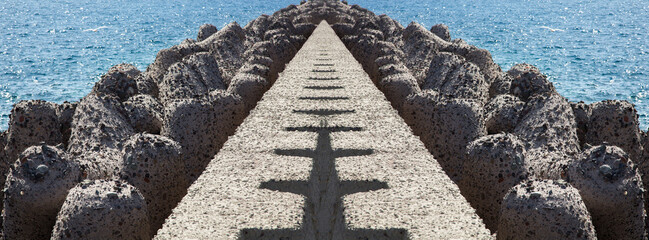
323	156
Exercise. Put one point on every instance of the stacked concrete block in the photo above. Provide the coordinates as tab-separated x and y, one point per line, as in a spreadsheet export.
36	187
99	129
454	77
446	126
154	165
544	209
119	81
31	123
549	130
582	113
205	31
65	112
441	31
610	185
420	46
494	164
193	77
615	122
503	113
103	209
201	127
144	112
528	81
479	57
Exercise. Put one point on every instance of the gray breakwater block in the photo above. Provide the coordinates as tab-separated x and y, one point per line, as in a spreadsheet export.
323	159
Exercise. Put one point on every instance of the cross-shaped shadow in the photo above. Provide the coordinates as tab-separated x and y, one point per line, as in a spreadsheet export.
323	210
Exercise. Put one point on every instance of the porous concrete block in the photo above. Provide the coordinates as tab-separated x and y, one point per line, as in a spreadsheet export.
147	85
615	122
445	126
501	85
249	87
119	81
167	57
503	113
441	30
226	46
478	56
193	77
144	112
205	31
612	190
582	113
32	122
36	187
528	81
494	164
201	127
65	112
397	87
154	165
453	77
99	129
548	123
103	209
544	209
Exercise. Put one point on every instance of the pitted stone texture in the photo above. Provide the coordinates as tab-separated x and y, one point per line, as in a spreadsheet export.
495	163
441	31
528	81
454	77
103	209
478	56
205	31
420	47
119	82
36	187
65	112
167	57
544	209
154	165
611	188
503	113
615	122
397	87
548	128
201	127
500	85
99	129
226	46
32	122
445	126
193	77
582	112
249	87
144	112
147	85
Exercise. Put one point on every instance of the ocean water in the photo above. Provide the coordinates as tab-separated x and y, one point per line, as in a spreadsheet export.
591	50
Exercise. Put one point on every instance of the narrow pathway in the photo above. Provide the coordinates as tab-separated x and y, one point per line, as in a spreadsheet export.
323	156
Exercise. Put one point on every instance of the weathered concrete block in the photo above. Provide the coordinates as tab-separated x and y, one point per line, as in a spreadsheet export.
167	57
205	31
155	166
249	87
441	30
144	112
119	81
548	127
99	129
193	77
503	113
445	126
612	190
544	210
36	187
582	113
528	81
478	56
201	127
494	164
103	209
147	85
65	112
397	87
32	122
615	122
454	77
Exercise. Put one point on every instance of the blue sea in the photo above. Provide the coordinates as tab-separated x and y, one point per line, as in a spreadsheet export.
591	50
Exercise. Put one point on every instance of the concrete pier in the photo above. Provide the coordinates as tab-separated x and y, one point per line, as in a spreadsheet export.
323	156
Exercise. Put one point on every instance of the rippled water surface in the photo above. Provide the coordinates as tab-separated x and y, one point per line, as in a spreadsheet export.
592	50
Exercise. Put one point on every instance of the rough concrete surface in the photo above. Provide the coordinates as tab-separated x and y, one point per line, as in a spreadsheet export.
323	159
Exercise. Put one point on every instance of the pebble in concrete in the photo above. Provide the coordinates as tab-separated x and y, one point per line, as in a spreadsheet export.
495	163
154	164
612	190
31	123
544	209
103	209
36	187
